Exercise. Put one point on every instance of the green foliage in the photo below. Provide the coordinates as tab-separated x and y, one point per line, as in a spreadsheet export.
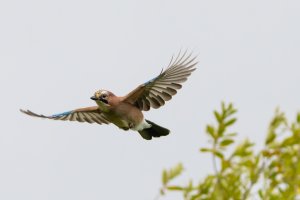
169	175
273	173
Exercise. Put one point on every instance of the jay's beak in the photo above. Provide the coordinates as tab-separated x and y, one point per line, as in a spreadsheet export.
94	98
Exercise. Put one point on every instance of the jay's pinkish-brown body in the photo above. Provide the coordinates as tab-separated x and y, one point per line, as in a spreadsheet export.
122	114
126	112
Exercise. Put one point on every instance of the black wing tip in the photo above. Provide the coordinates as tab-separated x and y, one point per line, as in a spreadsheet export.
25	111
32	114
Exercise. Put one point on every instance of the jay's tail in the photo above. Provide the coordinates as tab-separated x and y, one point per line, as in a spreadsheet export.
154	131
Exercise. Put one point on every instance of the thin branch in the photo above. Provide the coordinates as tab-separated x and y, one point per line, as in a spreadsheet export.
217	172
214	161
260	170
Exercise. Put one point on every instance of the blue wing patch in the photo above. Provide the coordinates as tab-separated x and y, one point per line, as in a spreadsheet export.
62	114
152	80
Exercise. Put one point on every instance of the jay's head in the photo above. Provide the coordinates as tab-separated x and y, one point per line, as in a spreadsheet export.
103	97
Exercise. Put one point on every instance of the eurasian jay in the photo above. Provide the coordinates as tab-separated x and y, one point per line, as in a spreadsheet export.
126	111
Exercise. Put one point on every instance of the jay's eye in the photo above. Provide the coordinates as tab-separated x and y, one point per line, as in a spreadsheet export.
103	96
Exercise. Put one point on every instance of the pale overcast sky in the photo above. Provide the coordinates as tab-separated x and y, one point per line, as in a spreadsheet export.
55	54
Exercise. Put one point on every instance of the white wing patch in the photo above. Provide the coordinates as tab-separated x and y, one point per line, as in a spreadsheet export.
141	126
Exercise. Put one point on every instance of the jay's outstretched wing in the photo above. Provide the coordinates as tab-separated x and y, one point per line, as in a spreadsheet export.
88	114
155	92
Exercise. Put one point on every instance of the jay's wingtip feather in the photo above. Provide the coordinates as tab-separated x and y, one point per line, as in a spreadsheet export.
22	111
28	112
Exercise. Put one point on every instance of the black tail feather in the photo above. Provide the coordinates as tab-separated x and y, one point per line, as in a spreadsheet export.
154	131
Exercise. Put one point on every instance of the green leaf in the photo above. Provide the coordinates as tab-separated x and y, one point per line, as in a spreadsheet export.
219	154
168	175
298	118
289	141
221	130
231	112
225	164
175	188
243	149
196	196
175	171
230	122
206	185
223	107
165	177
270	138
278	120
218	116
188	189
206	150
260	193
226	142
211	131
231	134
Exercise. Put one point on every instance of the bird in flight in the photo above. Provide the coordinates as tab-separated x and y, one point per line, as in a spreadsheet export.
126	111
